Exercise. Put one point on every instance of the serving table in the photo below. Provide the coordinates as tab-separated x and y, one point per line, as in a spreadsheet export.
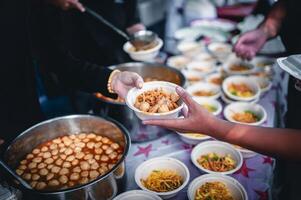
256	174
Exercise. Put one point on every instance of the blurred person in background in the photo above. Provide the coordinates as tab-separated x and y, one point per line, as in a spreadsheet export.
24	38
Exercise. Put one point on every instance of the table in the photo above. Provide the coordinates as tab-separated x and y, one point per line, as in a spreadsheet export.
256	174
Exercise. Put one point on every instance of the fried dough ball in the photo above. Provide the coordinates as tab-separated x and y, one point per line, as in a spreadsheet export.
55	169
19	172
64	171
59	162
79	155
84	165
63	179
37	159
49	161
49	176
47	155
84	173
44	149
43	172
35	177
40	185
27	176
36	151
53	183
74	176
93	174
84	180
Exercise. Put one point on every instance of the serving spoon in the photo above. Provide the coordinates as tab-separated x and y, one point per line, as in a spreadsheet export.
14	175
141	40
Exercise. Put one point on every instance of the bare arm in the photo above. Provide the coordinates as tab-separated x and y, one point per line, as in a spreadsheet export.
251	42
285	143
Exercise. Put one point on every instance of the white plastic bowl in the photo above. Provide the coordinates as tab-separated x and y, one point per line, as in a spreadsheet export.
178	62
193	140
190	48
212	76
246	153
137	195
220	49
262	62
204	57
235	188
193	75
233	61
238	107
211	102
241	80
134	93
202	66
161	163
264	83
207	87
220	148
147	55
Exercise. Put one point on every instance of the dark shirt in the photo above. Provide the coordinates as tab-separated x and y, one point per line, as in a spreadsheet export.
22	33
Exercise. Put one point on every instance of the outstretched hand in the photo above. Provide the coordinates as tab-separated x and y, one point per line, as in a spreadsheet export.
196	119
122	82
250	43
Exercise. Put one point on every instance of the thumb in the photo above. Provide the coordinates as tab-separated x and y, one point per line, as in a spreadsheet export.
186	98
137	80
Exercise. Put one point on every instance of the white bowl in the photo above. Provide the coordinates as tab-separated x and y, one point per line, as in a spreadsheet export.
178	62
262	62
235	61
246	153
185	137
161	163
210	102
134	93
202	66
204	57
212	76
241	80
235	188
193	75
147	55
238	107
207	87
190	48
227	100
137	195
220	49
264	83
220	148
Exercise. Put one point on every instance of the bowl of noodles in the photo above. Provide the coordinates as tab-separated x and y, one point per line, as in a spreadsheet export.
163	176
245	113
241	88
211	105
215	186
235	66
193	138
215	157
204	90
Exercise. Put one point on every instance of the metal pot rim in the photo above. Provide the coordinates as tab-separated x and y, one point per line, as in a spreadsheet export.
119	125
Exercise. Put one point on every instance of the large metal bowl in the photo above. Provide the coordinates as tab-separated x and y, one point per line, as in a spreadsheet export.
122	113
104	187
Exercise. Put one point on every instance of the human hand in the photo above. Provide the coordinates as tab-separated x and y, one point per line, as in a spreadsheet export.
196	119
250	43
122	82
135	28
68	4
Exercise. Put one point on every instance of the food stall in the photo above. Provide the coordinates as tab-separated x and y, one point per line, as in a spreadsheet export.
136	156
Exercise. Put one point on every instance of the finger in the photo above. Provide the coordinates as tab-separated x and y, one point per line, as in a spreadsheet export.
76	4
138	81
185	97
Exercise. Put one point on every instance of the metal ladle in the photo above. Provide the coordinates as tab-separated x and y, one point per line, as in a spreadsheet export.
141	40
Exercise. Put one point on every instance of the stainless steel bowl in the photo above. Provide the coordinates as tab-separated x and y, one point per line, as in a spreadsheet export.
122	113
104	187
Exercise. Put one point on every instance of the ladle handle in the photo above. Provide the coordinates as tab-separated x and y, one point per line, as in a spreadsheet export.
14	175
106	22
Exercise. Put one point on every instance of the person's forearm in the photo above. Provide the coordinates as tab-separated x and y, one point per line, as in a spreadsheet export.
272	24
285	143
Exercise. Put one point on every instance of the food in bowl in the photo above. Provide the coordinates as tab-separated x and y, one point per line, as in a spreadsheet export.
246	117
157	101
217	163
195	135
209	108
213	190
216	80
239	67
240	90
203	93
162	180
142	47
69	161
